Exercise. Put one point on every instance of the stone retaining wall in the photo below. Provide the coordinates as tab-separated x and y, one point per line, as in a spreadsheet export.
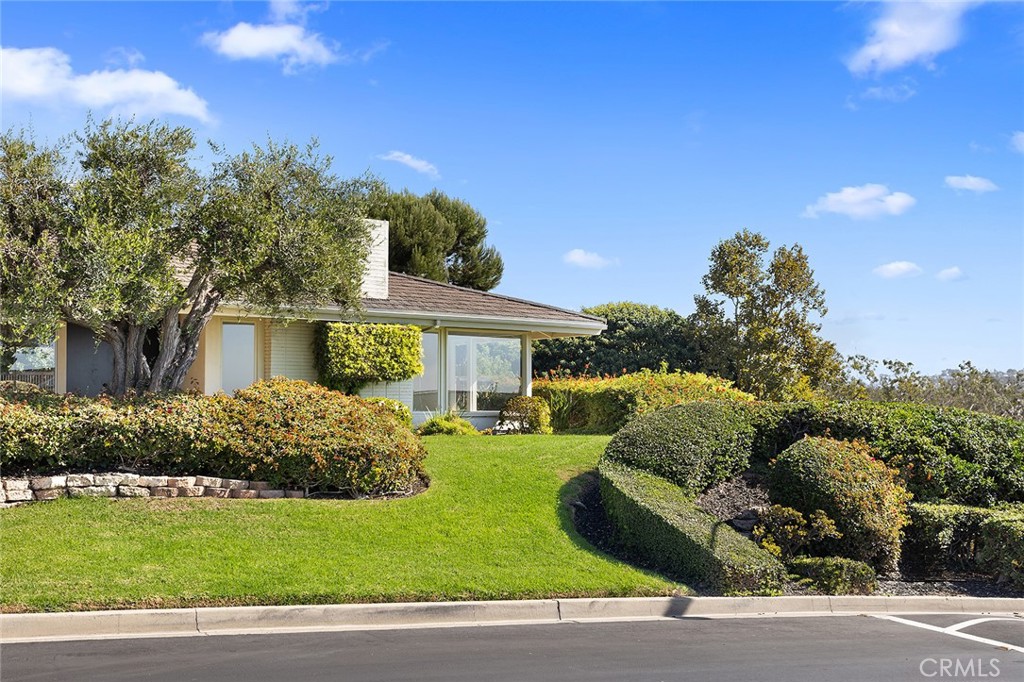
16	490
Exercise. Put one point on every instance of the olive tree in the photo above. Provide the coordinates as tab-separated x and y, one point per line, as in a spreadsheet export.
134	241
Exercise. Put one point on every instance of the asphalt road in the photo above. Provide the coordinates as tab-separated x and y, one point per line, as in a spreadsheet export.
822	649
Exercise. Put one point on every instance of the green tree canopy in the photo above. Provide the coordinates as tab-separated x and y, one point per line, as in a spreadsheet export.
639	336
138	241
756	324
440	238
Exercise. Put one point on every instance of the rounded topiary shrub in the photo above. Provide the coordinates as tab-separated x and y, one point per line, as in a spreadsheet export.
694	445
299	435
861	494
526	414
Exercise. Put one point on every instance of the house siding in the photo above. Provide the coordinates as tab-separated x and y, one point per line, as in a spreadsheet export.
291	351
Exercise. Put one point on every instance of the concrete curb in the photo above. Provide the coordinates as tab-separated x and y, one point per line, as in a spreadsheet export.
29	627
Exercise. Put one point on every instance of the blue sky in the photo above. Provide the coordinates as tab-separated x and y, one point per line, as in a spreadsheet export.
612	145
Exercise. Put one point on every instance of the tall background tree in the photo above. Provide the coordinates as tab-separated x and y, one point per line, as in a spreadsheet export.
639	336
757	323
438	237
137	244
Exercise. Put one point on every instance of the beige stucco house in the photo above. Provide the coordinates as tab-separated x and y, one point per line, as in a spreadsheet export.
476	345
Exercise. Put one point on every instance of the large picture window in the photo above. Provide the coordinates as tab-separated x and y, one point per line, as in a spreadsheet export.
483	372
238	356
425	386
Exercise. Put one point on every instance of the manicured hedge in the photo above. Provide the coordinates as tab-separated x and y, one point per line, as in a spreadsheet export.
944	454
953	537
604	405
835	575
694	445
350	356
526	414
289	433
858	492
658	520
1001	548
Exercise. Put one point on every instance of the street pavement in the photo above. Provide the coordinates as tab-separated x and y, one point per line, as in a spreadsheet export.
790	649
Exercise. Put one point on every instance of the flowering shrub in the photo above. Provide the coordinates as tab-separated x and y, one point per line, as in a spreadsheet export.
296	434
784	532
835	575
848	484
289	433
605	404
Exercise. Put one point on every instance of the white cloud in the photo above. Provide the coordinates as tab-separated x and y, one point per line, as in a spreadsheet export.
949	274
125	56
866	201
971	183
890	93
284	10
291	44
899	268
587	259
44	74
418	165
908	32
1017	141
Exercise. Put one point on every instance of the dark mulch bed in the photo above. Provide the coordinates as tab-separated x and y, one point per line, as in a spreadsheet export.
733	499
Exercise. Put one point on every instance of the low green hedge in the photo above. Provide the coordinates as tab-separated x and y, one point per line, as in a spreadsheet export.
606	404
1001	548
953	537
944	454
694	445
835	575
858	492
289	433
659	521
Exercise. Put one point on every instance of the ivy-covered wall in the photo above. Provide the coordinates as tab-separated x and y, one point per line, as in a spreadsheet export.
349	356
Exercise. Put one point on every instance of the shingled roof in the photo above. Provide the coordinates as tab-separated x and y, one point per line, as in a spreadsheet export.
409	294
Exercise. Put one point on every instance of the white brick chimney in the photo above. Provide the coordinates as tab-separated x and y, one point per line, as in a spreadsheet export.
375	279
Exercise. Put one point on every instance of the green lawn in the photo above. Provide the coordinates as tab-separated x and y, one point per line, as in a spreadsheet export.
491	526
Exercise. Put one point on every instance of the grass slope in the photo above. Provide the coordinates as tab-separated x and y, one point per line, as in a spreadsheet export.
491	526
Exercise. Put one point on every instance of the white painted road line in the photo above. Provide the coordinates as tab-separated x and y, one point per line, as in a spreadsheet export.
976	621
954	632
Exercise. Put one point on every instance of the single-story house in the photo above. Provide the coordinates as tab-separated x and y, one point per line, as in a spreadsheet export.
476	345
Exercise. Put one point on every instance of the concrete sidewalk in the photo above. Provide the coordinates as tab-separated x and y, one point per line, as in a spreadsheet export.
30	627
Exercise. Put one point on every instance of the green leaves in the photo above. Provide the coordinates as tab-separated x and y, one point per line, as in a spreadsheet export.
755	325
438	237
350	356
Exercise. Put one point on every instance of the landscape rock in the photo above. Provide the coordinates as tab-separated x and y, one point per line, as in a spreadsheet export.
181	481
153	481
106	479
129	480
243	494
16	484
259	485
94	491
216	492
19	495
235	484
133	491
190	491
294	494
50	493
209	481
48	482
164	491
270	494
79	480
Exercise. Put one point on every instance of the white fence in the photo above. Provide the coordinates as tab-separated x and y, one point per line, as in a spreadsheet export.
43	378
